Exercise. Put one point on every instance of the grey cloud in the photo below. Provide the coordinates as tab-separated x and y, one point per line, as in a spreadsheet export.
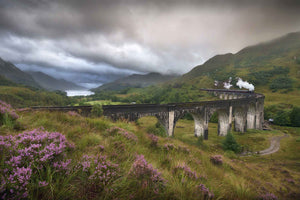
114	36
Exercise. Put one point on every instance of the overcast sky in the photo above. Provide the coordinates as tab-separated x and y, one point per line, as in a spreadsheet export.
99	40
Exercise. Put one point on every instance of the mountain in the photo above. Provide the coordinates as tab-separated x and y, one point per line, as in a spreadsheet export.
283	51
273	67
52	84
135	81
12	73
5	82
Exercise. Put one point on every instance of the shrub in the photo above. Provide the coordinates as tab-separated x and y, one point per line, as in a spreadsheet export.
283	115
282	82
104	172
295	116
268	196
98	124
263	77
97	110
183	149
119	131
154	140
157	129
214	118
188	116
282	118
260	77
28	157
216	159
230	154
73	114
279	70
146	176
169	147
97	174
7	113
230	143
186	171
270	111
204	192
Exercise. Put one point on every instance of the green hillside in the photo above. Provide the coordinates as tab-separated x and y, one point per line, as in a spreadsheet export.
24	97
135	81
11	72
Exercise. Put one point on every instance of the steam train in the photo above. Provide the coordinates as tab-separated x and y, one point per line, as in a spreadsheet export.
225	90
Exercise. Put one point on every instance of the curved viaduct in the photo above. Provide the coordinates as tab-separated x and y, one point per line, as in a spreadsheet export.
242	108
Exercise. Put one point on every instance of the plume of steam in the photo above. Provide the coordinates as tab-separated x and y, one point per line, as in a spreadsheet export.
245	84
216	83
227	85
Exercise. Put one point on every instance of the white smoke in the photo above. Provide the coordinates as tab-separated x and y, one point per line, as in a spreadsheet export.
216	83
244	84
227	85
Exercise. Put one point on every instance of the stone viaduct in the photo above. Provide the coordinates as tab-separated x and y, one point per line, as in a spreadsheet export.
242	109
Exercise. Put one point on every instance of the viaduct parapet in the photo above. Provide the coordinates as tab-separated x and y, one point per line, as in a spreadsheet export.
241	109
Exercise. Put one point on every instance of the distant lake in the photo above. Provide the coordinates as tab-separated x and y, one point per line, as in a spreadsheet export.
72	93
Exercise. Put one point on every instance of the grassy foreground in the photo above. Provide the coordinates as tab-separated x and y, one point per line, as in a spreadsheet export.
183	161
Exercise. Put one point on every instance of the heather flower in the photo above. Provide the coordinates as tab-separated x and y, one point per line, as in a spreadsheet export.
43	183
290	180
184	149
105	172
119	131
169	147
216	159
62	165
28	154
120	146
101	147
146	175
204	191
85	163
186	170
73	114
268	196
8	111
154	140
17	181
99	171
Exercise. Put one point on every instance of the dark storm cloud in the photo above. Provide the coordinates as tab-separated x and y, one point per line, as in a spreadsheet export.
114	36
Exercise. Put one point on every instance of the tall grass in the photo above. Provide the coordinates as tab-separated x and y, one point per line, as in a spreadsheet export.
236	178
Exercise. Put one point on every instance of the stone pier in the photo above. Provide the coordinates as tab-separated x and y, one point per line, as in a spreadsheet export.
251	117
240	119
223	121
201	125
